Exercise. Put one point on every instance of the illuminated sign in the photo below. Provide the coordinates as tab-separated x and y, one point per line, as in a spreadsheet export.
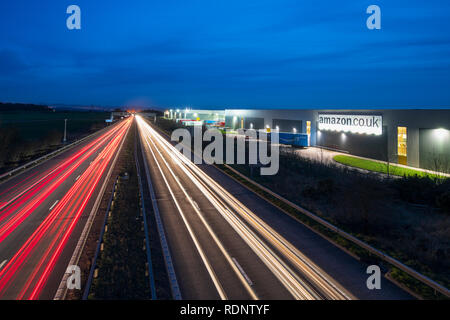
368	124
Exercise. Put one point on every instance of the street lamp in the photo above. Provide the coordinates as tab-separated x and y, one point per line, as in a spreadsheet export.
65	131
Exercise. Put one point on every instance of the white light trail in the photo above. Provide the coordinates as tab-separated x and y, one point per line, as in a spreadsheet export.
235	213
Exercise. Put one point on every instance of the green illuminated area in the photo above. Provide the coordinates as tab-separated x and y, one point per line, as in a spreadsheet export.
382	167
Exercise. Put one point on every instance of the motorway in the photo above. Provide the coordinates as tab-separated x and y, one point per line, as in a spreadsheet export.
43	212
220	248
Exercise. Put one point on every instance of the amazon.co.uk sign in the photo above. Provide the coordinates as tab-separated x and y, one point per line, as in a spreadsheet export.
368	124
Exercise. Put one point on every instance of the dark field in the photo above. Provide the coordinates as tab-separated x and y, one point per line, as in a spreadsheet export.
27	135
37	125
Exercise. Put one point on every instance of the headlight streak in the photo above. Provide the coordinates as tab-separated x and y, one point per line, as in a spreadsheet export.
207	226
205	260
266	255
220	196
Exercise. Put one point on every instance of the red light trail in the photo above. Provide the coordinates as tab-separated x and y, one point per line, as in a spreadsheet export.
40	190
28	270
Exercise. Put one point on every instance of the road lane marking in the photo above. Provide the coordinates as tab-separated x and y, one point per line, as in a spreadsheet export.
100	140
162	235
78	177
51	208
2	264
282	272
196	205
242	271
272	234
203	257
285	247
211	232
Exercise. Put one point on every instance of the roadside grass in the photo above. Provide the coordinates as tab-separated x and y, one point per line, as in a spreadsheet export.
383	167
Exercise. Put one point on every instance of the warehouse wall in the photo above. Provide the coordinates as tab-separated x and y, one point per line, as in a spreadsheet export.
287	125
435	149
416	121
363	145
258	123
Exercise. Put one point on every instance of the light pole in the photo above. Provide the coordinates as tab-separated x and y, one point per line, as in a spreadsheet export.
65	130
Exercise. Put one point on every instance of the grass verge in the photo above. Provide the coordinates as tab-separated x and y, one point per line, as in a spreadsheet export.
381	167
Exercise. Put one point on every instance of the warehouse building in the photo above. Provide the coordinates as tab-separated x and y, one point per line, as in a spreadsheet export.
418	138
414	137
197	114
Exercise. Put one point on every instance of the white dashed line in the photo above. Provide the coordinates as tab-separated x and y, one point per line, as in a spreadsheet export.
242	272
51	208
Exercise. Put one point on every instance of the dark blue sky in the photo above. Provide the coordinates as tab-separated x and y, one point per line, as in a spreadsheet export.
274	54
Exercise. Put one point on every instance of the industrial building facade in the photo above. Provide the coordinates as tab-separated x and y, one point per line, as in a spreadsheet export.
418	138
414	137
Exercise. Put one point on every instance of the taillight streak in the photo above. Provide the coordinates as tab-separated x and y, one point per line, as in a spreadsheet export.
59	225
67	162
20	216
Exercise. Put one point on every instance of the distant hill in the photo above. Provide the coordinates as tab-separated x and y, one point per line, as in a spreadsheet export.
81	107
14	107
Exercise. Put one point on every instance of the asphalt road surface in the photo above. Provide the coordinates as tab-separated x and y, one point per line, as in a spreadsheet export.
43	212
221	249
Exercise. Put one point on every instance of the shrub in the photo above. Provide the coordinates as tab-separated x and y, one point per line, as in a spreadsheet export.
326	186
310	192
415	189
443	201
